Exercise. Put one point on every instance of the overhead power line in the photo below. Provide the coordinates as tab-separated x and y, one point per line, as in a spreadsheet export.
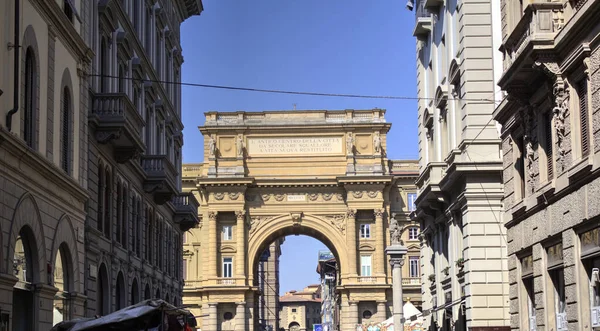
321	94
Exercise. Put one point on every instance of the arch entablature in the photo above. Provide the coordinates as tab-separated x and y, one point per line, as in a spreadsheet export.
315	226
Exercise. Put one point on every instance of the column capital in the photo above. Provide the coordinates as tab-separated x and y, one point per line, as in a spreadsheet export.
213	304
351	213
397	262
240	303
240	214
379	212
352	302
212	215
381	302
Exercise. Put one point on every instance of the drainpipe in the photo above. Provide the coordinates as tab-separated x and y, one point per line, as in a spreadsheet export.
15	48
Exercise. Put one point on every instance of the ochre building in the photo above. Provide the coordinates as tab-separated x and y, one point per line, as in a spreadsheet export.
271	174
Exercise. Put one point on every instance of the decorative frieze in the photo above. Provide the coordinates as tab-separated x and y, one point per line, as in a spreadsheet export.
339	221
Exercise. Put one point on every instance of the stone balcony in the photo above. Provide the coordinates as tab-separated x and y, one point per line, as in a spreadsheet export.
186	210
411	282
423	20
115	120
160	177
533	35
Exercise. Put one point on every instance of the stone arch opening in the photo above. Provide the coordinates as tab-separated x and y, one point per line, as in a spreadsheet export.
63	281
167	297
103	294
308	225
157	296
147	293
121	300
25	264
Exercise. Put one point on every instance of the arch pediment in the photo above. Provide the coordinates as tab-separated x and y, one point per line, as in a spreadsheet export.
441	96
427	117
366	247
413	246
228	249
454	71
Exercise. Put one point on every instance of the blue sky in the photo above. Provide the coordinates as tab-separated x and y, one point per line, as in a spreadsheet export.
331	46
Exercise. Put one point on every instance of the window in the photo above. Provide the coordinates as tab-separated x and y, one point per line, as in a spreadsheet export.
413	266
367	314
527	294
29	106
68	10
227	232
412	197
104	70
65	136
528	285
413	233
365	265
227	267
107	203
520	167
294	310
582	94
101	187
365	231
560	305
548	146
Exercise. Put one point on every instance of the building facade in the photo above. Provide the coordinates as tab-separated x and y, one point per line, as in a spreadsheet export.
299	311
333	183
327	268
268	285
43	167
136	213
551	143
464	266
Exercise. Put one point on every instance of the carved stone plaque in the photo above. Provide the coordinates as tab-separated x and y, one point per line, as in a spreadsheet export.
295	145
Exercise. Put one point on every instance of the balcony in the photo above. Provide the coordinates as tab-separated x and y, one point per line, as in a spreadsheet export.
367	279
535	32
423	20
411	282
115	120
226	281
186	210
161	177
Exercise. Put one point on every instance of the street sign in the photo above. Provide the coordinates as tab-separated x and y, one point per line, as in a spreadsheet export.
325	255
317	327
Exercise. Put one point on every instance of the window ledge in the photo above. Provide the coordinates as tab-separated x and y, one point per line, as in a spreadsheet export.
580	168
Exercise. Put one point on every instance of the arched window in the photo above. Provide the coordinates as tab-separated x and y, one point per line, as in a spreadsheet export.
107	202
135	297
104	66
125	216
102	296
120	292
29	98
157	294
121	81
119	210
147	295
101	188
66	132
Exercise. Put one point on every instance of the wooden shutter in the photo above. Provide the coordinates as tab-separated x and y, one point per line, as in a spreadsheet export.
549	145
583	116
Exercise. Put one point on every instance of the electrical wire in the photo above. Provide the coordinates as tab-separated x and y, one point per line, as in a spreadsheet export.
251	89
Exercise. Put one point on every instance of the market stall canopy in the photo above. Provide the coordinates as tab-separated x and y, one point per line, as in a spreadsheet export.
146	314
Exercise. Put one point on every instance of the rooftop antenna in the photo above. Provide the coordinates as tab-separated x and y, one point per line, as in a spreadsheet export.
294	105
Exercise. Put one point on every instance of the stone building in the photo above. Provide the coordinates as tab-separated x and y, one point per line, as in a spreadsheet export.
551	142
268	285
464	266
333	182
136	213
299	311
43	163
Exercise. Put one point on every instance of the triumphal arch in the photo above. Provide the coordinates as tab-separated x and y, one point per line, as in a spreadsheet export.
276	173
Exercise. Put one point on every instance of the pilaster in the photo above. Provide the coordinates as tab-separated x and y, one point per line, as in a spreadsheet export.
240	243
380	242
351	242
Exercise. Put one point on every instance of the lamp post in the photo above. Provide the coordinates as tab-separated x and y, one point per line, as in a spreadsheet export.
396	252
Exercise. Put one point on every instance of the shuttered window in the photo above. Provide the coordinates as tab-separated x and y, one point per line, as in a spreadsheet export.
548	145
28	114
520	167
66	132
583	116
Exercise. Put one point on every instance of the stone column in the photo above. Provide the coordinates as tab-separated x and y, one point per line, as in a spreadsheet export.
240	316
397	253
212	244
77	301
351	241
379	243
44	295
240	243
212	317
381	310
353	313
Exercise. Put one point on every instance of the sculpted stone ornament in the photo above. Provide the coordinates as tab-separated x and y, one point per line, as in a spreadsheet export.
351	213
219	195
372	194
357	194
234	195
395	232
396	262
212	216
327	196
279	197
240	214
211	146
339	221
240	146
379	212
349	143
560	112
313	196
377	143
266	197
